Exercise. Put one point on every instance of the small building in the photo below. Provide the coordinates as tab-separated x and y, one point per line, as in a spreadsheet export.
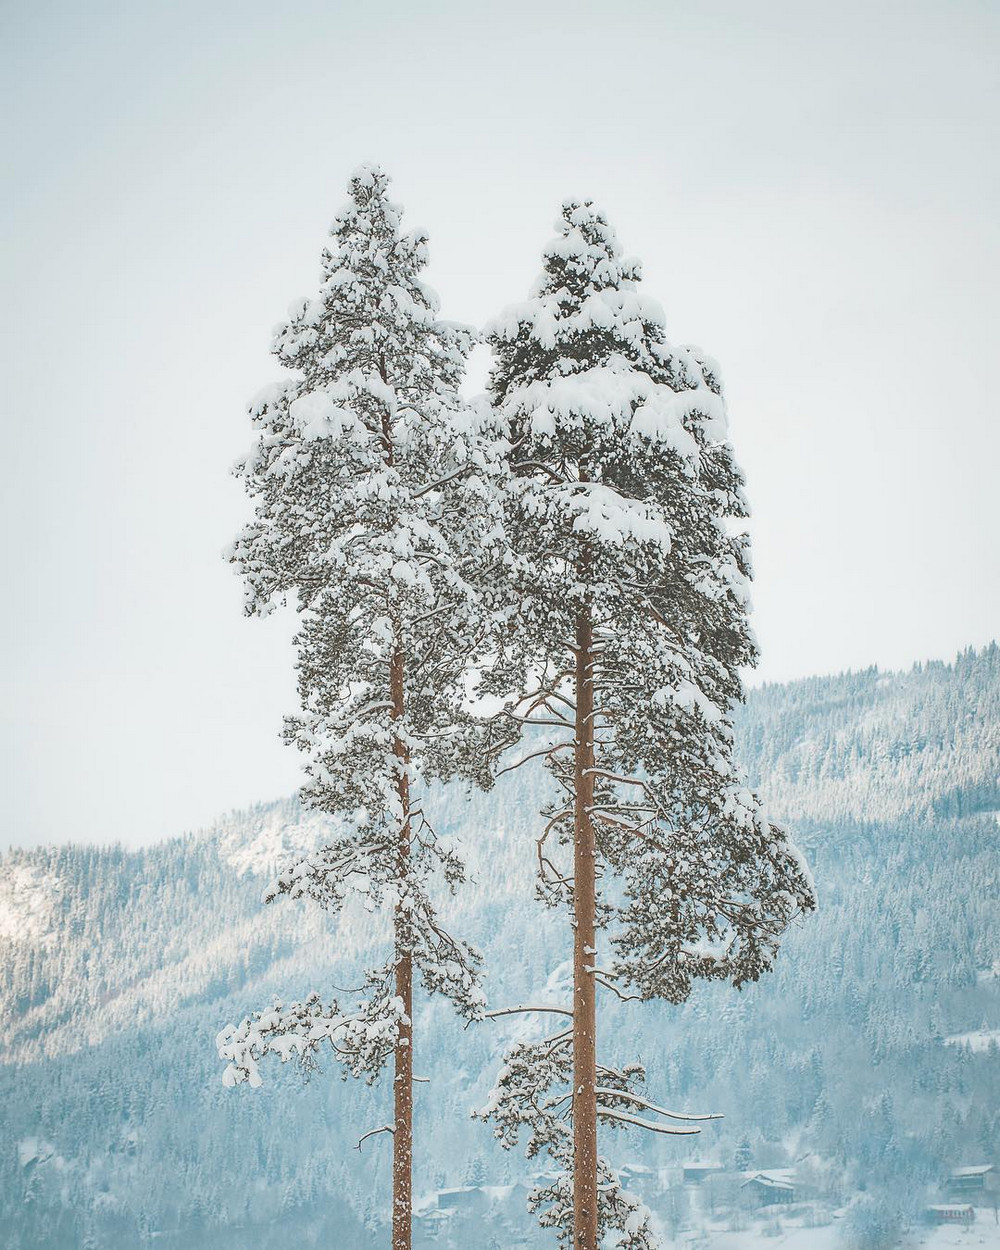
461	1198
971	1180
433	1222
767	1189
951	1213
638	1178
696	1171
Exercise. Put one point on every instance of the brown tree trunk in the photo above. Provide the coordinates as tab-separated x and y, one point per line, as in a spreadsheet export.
402	1138
402	1084
584	953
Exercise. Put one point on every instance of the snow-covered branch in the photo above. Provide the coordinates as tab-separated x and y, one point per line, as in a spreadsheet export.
622	1117
527	1009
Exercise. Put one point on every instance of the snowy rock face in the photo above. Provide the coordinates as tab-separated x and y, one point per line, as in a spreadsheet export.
265	840
29	898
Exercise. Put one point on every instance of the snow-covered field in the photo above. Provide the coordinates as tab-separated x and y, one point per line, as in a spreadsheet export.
985	1233
978	1040
790	1238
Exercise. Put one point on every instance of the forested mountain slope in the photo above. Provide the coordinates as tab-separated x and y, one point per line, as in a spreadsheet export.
118	968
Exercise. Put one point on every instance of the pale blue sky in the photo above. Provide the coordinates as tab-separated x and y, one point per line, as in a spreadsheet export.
813	189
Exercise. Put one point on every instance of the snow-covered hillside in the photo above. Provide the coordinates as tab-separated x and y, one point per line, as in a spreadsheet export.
863	1062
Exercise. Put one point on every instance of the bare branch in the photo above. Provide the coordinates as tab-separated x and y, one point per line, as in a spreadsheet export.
513	1011
386	1128
523	720
559	746
626	781
604	808
625	998
537	464
441	482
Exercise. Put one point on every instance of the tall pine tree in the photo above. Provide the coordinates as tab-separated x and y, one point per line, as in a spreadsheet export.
367	481
627	577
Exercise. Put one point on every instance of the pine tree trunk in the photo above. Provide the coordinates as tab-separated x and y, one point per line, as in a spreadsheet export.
402	1139
584	951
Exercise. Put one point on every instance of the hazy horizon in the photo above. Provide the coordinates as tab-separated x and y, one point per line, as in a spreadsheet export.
265	800
812	193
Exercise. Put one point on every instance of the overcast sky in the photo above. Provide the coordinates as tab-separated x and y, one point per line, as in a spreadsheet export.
813	190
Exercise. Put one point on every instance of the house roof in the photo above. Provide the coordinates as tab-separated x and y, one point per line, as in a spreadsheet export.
781	1179
978	1169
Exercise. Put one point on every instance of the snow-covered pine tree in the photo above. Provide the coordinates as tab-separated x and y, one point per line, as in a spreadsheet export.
367	480
628	580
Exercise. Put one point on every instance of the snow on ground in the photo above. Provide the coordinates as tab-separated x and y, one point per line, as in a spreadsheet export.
984	1234
978	1040
788	1238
